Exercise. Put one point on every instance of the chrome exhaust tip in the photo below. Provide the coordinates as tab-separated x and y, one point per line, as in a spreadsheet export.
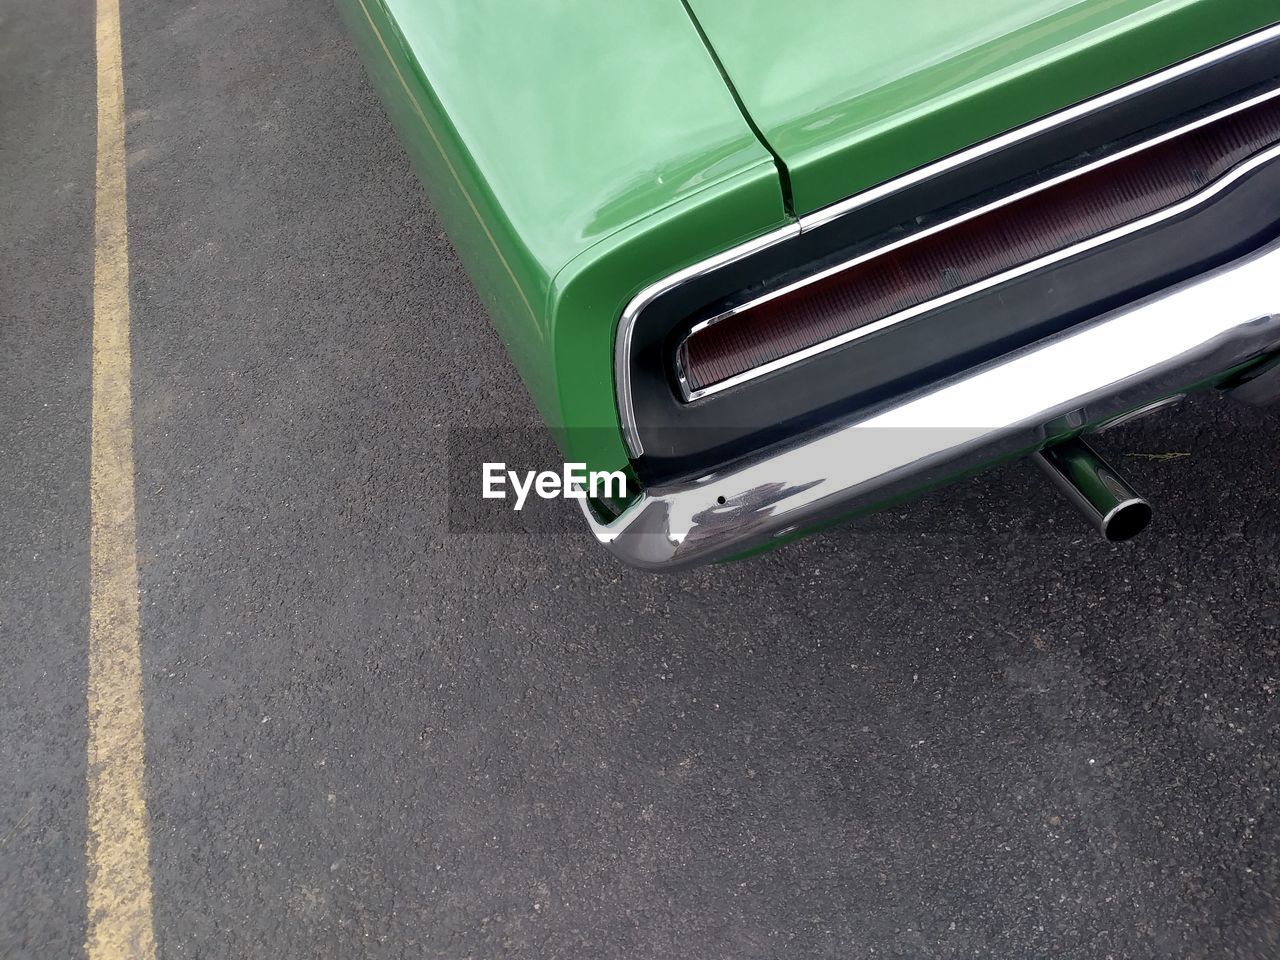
1114	508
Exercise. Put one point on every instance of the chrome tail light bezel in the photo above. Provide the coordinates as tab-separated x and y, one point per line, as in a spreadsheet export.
692	390
652	405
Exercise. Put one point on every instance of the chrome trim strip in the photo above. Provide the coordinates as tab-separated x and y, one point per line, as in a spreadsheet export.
1082	109
626	323
1066	253
1182	337
1011	273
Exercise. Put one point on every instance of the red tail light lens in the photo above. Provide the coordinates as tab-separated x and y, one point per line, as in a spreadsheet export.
838	306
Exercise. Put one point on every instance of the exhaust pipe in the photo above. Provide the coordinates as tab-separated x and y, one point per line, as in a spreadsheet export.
1092	484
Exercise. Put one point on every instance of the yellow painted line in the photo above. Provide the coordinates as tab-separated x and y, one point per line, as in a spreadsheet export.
119	877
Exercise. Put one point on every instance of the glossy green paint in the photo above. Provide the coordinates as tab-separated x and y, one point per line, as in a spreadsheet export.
850	93
575	151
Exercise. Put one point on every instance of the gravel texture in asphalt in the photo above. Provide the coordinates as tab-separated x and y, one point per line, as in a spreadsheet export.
962	728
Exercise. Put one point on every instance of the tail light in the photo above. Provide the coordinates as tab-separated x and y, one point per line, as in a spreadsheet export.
910	276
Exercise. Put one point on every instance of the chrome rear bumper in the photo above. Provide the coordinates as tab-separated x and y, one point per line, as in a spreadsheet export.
1183	337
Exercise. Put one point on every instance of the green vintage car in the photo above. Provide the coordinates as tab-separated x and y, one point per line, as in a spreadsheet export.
783	263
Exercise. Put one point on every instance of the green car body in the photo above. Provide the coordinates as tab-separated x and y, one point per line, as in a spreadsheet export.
579	151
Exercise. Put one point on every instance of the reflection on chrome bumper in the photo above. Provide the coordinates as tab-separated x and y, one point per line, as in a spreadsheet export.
1182	337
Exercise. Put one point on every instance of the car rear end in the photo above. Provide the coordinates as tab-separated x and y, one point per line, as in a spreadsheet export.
1094	261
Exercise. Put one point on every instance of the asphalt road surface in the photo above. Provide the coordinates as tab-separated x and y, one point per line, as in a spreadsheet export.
962	728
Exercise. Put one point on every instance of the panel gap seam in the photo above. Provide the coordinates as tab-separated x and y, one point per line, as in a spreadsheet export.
784	175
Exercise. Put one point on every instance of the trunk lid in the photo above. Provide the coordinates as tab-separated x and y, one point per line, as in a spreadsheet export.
850	93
